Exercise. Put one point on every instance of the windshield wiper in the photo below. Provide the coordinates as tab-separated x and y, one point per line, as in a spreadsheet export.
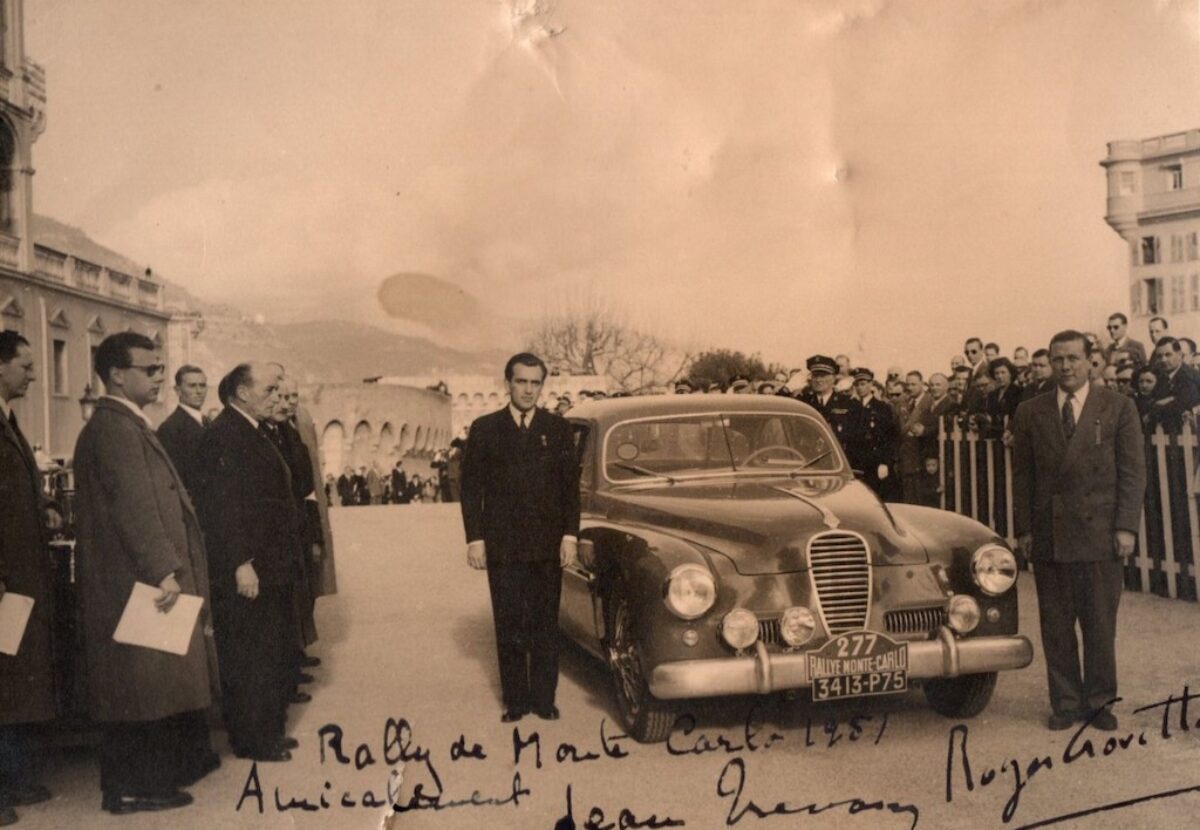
810	462
634	468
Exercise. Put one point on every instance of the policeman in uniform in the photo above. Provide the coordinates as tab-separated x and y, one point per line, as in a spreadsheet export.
872	437
836	408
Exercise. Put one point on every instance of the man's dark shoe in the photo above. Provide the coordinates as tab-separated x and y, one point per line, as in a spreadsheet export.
7	816
299	697
548	712
275	753
1104	720
120	805
310	662
513	714
304	677
22	795
288	742
1062	720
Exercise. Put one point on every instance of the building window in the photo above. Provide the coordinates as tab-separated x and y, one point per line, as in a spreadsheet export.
1126	183
1176	247
1174	176
8	152
1193	249
1154	295
1150	250
1195	306
1135	297
1176	294
96	387
59	367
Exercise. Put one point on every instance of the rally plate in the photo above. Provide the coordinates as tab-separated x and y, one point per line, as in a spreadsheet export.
857	665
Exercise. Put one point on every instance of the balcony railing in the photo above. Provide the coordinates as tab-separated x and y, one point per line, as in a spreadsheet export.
1171	200
87	276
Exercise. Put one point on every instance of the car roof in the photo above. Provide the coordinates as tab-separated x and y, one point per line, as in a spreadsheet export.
611	410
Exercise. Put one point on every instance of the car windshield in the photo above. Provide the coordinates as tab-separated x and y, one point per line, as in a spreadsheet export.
670	447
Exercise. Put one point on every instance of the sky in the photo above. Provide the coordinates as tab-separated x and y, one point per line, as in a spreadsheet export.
876	177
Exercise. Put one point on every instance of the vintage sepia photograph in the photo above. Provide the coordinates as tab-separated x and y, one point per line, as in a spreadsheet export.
569	415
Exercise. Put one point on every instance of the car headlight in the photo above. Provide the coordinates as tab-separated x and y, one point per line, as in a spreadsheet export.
963	614
796	626
994	569
689	591
739	628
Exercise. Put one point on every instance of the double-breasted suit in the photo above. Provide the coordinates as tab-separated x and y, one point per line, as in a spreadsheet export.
910	461
1072	496
520	496
248	511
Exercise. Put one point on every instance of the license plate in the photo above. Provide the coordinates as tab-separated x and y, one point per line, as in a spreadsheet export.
859	664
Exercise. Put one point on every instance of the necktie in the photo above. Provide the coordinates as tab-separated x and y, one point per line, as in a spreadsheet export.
1068	416
524	426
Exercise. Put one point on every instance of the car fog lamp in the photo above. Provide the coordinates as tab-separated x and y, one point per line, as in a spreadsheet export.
964	613
689	591
994	569
993	615
739	628
691	637
796	626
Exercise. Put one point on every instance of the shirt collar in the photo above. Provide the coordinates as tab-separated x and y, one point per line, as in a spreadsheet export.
4	408
1080	397
253	421
196	414
516	415
137	410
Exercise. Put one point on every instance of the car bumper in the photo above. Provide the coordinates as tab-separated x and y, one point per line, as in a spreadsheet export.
945	656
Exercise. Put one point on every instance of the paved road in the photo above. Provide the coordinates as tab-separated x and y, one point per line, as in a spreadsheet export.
410	668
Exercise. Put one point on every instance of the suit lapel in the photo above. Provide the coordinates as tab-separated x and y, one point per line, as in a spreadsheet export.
152	440
1051	424
23	448
1085	428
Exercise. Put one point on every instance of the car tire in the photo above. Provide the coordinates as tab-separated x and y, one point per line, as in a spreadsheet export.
646	718
961	697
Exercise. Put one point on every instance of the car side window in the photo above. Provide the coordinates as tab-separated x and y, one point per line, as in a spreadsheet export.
584	451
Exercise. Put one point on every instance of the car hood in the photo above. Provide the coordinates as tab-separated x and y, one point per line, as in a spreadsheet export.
764	525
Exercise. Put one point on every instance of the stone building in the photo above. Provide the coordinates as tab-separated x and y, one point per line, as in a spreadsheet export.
59	290
1154	204
359	424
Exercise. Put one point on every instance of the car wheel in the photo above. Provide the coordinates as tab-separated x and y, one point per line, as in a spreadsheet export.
646	718
961	697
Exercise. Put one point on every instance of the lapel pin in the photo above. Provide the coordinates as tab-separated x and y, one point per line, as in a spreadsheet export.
543	440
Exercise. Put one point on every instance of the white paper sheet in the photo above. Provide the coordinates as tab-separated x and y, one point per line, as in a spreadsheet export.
142	624
14	616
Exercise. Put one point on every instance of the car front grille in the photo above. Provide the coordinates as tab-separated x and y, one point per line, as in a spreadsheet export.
915	620
841	573
768	632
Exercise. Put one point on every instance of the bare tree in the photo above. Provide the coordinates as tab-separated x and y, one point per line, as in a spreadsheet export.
592	339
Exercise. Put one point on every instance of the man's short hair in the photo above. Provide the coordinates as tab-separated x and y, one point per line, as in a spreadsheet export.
186	369
993	346
1168	340
525	359
962	371
1040	353
971	340
1069	335
1116	315
113	352
240	375
10	344
915	373
1162	320
1190	343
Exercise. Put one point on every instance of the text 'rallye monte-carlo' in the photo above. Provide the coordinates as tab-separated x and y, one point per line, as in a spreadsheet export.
727	549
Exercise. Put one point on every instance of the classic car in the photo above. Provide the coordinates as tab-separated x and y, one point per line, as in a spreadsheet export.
726	548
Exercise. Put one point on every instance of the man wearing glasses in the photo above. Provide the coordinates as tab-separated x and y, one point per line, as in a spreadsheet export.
1118	326
973	350
137	524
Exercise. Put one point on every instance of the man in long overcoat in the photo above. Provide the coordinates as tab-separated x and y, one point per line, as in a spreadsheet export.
27	679
136	523
1079	477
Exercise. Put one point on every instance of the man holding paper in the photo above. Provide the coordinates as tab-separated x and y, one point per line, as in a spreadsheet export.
26	677
137	525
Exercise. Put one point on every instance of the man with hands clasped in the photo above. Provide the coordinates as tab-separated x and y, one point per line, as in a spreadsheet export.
520	506
1079	477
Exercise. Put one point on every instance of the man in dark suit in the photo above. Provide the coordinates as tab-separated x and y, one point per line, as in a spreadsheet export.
27	693
249	515
1118	330
1178	394
345	487
978	364
835	407
1079	476
918	437
871	438
1041	375
520	506
399	483
136	523
181	432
